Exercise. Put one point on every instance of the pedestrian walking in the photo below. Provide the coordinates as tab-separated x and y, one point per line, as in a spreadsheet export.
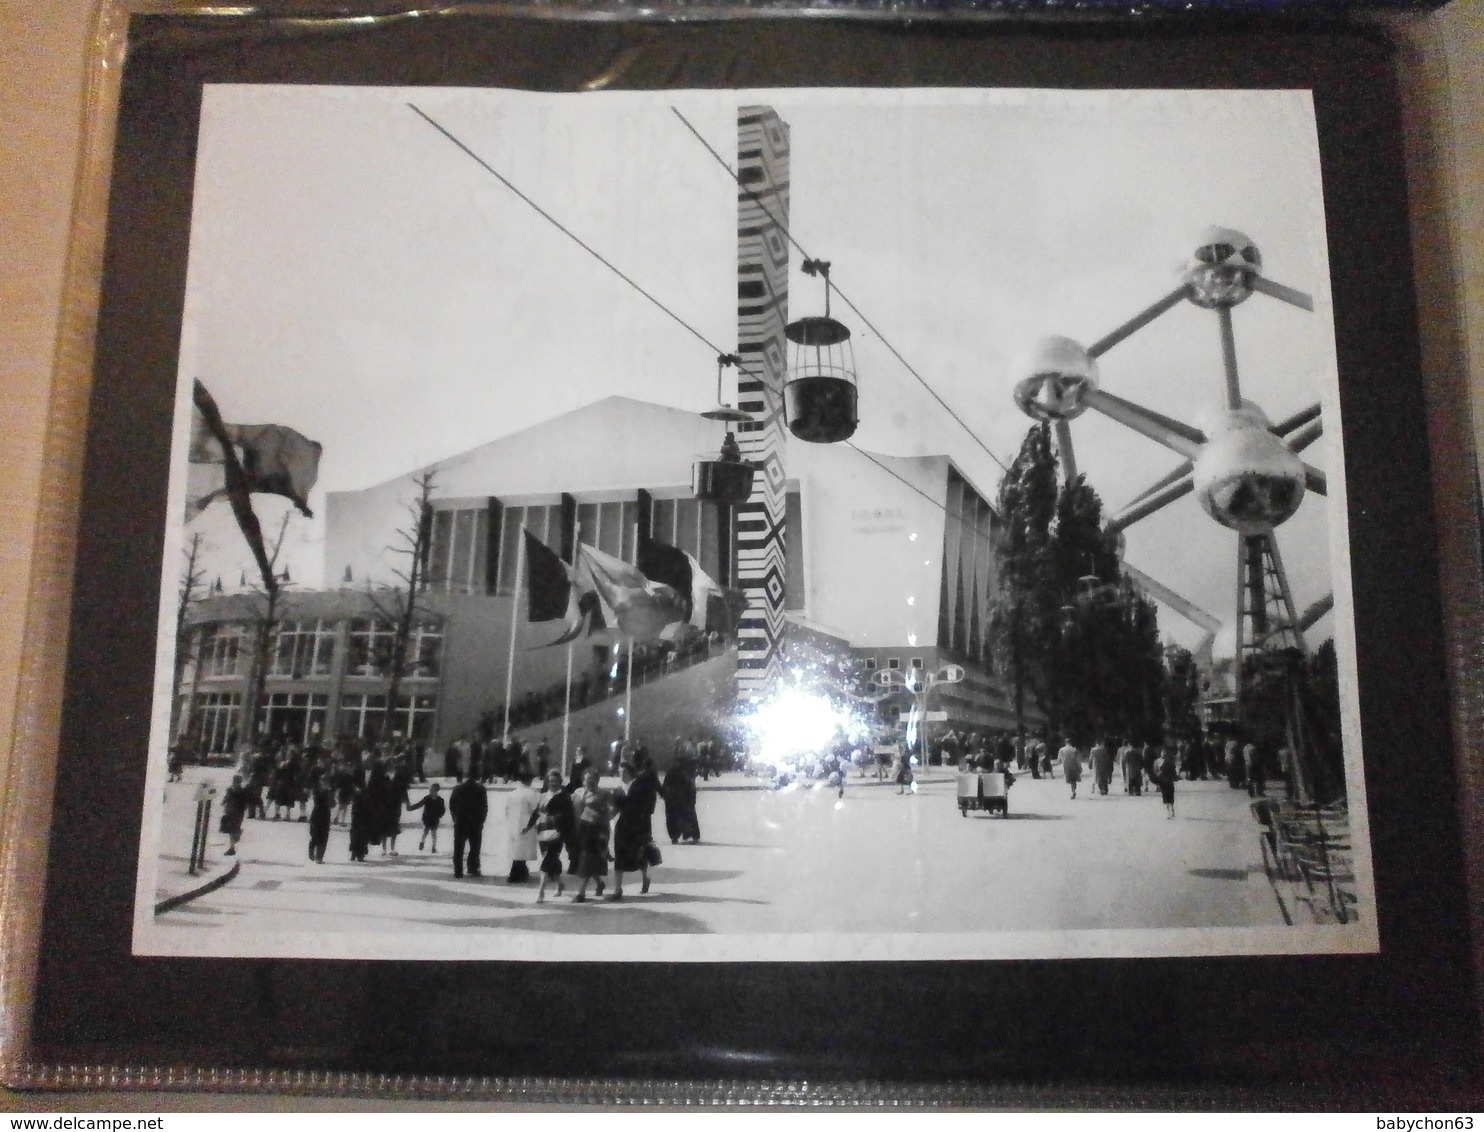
520	809
400	775
1235	776
552	822
1150	757
1071	765
1256	777
1102	766
679	790
1164	778
839	764
593	809
634	849
904	779
469	806
234	808
319	821
362	823
1131	761
631	833
379	800
344	782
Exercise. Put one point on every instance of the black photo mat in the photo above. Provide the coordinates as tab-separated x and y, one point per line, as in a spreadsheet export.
1399	1023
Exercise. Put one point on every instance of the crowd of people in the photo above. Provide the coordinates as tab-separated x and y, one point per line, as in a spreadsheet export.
575	826
580	826
1140	767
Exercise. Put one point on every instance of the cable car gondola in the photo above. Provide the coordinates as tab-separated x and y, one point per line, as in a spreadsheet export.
727	479
820	395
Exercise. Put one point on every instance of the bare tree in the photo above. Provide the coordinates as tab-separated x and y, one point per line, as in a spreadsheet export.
192	585
400	606
266	633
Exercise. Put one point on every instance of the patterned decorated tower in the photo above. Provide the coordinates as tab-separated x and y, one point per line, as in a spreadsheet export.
762	311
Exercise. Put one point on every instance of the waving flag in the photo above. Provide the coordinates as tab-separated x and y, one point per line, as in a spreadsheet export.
275	460
552	592
640	607
709	606
548	581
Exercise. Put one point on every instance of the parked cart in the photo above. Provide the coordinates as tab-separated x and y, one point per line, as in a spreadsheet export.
984	790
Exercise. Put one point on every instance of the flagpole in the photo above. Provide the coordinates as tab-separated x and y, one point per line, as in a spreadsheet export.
520	558
628	694
567	710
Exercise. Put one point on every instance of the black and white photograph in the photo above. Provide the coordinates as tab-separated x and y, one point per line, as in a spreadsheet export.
780	525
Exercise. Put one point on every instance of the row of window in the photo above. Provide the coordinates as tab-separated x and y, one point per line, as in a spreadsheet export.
893	662
301	717
307	648
612	527
458	558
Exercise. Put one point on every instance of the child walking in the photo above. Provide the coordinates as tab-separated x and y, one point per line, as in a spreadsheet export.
433	807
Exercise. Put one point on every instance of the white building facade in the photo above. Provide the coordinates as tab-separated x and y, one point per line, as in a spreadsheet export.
888	559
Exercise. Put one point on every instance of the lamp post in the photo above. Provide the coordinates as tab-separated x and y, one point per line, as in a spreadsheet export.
919	684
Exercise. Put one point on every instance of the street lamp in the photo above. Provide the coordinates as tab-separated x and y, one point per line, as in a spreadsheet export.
920	684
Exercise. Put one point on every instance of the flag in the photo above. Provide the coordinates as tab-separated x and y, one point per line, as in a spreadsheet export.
584	615
709	606
724	609
548	581
551	593
211	440
275	460
641	607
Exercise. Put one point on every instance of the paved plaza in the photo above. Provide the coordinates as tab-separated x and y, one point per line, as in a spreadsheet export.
795	860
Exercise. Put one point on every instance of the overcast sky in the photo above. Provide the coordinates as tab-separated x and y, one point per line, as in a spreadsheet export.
356	276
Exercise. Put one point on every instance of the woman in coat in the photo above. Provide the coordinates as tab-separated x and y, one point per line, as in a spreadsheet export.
520	813
382	808
633	832
592	807
552	825
362	822
679	791
234	807
904	772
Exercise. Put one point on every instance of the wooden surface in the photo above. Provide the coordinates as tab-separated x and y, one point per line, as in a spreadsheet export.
44	49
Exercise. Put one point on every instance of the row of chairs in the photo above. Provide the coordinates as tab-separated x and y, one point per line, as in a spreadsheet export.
1307	853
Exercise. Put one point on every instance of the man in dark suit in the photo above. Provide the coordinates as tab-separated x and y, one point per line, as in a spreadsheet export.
468	805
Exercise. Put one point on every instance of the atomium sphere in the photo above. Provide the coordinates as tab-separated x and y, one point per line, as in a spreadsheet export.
1052	379
1245	477
1221	269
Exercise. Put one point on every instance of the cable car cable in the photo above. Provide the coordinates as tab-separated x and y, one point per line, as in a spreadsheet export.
563	228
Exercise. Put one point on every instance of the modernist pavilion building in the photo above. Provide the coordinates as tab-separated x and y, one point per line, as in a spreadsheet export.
889	562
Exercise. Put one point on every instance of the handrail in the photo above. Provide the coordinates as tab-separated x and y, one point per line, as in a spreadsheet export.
606	688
